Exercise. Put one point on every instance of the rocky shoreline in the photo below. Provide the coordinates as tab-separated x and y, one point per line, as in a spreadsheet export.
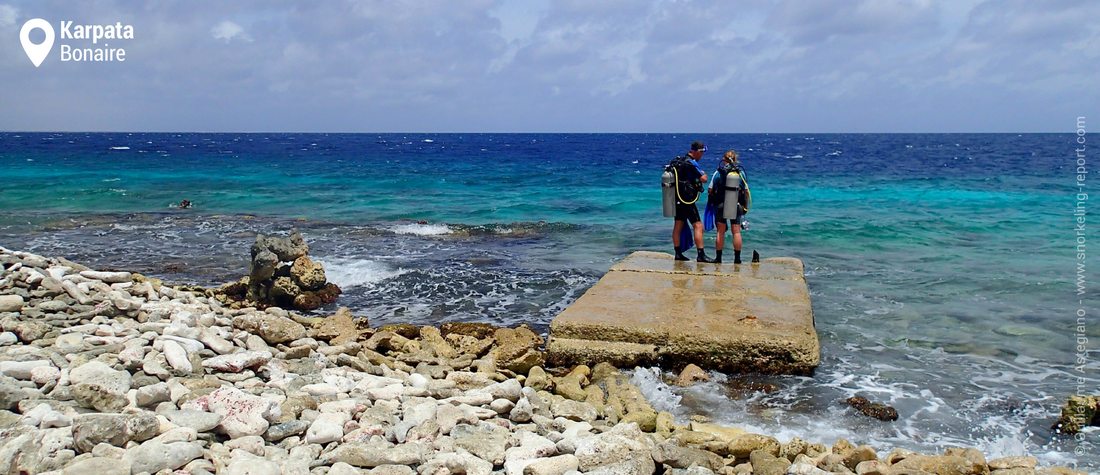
113	372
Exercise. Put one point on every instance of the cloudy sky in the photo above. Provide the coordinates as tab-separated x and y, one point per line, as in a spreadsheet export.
562	66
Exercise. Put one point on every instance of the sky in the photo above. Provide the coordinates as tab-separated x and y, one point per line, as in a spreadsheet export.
560	66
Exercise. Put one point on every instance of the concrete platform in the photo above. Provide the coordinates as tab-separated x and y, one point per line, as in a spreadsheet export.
652	310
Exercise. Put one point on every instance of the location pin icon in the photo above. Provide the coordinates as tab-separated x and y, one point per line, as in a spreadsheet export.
36	52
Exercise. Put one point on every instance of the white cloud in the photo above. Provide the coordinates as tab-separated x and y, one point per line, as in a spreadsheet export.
8	14
228	31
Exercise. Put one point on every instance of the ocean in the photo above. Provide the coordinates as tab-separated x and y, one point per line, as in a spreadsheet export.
942	267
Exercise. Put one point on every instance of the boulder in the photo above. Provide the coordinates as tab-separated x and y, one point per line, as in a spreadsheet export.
485	440
622	449
691	375
342	327
11	303
517	349
941	465
307	274
371	455
1078	411
876	410
273	329
153	456
242	414
90	430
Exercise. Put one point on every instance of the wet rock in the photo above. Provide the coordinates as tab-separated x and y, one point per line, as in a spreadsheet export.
271	328
877	410
1078	412
690	375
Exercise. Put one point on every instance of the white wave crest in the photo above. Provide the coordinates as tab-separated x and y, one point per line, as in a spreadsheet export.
422	229
357	272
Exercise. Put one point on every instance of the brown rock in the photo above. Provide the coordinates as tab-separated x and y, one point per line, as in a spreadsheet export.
1013	462
307	274
941	465
340	328
877	410
859	455
765	463
571	385
284	291
1078	411
517	349
744	445
273	329
481	331
307	301
538	380
406	330
691	375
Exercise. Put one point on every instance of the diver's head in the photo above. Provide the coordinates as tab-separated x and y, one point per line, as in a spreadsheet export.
697	149
730	156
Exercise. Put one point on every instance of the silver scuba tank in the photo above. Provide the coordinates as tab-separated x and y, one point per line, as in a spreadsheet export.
730	204
668	194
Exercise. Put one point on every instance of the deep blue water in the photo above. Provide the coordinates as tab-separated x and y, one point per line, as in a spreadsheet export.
941	265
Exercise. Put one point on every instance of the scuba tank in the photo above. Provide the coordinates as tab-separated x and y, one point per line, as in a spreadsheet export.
732	205
668	193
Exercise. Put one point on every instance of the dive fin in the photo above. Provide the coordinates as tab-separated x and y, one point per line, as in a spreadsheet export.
708	217
687	237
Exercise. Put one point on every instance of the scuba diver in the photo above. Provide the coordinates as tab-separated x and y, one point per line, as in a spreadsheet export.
682	183
728	200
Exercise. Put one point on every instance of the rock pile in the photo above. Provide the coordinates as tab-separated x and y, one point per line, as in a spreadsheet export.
281	274
112	373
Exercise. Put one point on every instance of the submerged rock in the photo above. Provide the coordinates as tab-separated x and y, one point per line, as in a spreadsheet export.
1078	412
877	410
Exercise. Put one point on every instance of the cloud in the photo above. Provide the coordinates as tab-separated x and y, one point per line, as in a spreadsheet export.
496	65
8	14
228	31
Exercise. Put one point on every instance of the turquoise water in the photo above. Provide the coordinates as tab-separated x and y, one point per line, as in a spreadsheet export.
941	266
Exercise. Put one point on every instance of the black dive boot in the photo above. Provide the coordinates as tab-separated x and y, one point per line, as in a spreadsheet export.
718	256
680	255
701	256
736	256
755	256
